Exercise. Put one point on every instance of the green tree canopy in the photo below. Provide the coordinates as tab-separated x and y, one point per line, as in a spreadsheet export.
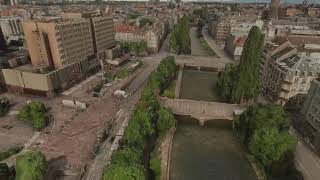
34	113
268	145
245	77
166	120
31	166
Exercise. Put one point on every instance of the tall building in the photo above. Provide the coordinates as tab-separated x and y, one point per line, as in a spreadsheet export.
102	29
311	107
57	44
11	26
103	33
274	9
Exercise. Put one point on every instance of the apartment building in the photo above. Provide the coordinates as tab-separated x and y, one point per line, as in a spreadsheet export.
11	26
311	107
285	73
221	27
57	44
103	33
152	35
102	28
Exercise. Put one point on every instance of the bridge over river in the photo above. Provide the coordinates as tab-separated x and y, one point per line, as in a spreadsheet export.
202	110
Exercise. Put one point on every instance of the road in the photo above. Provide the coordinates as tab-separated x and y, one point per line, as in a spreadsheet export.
216	48
196	48
306	161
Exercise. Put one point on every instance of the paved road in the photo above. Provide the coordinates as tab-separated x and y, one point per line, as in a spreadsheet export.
196	48
216	48
306	161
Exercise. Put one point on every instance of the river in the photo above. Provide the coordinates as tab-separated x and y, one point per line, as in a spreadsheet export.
210	152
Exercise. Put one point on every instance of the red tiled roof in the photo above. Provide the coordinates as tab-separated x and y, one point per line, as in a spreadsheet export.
239	41
124	28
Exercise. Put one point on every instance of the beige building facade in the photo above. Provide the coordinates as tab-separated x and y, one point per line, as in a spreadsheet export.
54	45
285	73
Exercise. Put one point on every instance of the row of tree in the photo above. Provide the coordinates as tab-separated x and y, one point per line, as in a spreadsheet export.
148	119
180	41
263	129
134	47
240	83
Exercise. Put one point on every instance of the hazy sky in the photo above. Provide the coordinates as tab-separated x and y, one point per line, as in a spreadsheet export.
245	1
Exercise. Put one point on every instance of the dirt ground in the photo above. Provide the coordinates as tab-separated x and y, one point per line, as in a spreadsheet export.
69	141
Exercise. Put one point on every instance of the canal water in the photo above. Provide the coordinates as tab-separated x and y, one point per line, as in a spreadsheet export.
199	85
209	152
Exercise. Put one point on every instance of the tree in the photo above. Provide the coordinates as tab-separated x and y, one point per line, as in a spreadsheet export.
248	86
31	166
268	146
166	120
4	106
119	172
226	81
180	41
245	76
4	171
34	113
261	116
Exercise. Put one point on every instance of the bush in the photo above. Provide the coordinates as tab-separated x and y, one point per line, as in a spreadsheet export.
31	166
145	121
4	171
4	106
35	114
155	164
6	154
166	120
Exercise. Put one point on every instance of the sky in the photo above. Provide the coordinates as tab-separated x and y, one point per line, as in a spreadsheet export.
247	1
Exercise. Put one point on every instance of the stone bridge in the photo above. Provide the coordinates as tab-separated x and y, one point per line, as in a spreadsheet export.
203	111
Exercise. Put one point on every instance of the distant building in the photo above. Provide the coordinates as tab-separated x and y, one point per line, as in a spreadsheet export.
274	9
221	27
285	73
11	26
152	35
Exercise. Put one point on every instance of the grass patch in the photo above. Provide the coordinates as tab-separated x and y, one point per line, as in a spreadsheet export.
206	46
12	151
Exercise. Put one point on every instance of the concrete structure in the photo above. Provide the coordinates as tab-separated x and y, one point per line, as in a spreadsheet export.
11	26
57	44
274	9
285	73
201	110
